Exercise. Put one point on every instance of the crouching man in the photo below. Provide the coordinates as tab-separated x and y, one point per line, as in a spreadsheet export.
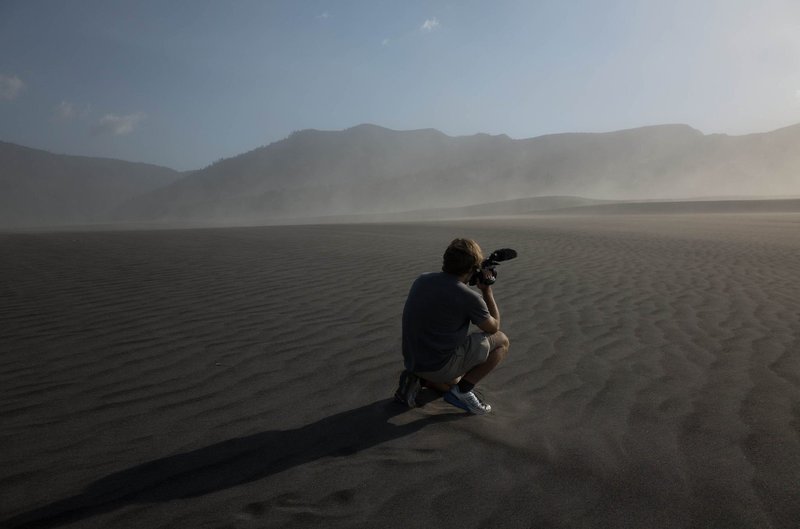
438	350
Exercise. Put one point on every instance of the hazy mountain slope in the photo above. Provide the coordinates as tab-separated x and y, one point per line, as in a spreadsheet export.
370	169
40	188
366	168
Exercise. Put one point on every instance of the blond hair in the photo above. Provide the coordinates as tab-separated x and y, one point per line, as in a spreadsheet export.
462	256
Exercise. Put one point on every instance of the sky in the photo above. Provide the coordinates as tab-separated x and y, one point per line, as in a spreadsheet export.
185	83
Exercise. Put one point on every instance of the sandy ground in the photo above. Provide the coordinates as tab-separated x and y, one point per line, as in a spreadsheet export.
242	378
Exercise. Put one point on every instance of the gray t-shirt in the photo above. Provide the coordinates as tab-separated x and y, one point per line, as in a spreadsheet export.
436	319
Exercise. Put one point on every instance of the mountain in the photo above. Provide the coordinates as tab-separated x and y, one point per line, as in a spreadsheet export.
362	169
369	171
372	170
38	188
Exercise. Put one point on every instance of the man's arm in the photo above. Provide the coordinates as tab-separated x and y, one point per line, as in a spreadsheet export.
492	323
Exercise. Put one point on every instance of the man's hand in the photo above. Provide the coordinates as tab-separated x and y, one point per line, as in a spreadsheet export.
487	274
492	324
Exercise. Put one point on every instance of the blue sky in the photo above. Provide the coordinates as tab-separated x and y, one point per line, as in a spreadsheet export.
183	83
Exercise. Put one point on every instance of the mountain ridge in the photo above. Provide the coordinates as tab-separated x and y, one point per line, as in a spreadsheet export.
43	188
369	169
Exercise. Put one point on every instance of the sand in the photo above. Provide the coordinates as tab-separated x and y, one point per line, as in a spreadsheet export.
242	377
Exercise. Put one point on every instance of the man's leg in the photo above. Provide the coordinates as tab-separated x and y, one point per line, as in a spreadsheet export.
441	387
461	395
500	349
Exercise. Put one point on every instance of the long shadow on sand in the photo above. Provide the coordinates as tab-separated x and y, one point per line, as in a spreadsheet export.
230	463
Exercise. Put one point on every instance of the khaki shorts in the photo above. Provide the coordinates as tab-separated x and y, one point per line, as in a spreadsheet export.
475	350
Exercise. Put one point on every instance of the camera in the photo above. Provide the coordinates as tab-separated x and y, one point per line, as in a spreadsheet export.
490	263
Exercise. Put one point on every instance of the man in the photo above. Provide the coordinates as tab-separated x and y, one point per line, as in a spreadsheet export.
438	350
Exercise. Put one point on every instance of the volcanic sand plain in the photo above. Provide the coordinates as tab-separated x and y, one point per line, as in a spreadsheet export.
242	377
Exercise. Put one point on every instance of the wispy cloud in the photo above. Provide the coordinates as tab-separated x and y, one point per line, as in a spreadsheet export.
324	15
385	42
10	86
118	125
429	24
67	110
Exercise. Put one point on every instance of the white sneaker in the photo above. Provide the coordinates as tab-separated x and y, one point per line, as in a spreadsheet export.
467	401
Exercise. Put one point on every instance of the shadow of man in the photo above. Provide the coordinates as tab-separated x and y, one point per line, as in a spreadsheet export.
230	463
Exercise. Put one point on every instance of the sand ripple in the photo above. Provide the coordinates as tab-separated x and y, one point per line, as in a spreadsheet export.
238	377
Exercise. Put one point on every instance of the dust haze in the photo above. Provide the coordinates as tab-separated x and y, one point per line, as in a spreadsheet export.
370	172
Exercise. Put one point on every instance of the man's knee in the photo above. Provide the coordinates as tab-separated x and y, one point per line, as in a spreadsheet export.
499	340
499	347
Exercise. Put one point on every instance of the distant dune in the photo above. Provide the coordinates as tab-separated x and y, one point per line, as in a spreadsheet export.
572	206
687	206
519	206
